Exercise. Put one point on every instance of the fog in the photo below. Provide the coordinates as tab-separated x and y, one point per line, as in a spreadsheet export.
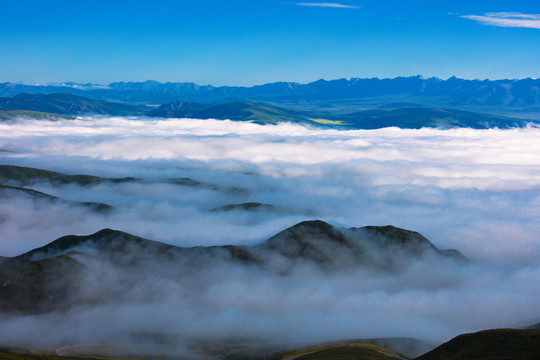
477	191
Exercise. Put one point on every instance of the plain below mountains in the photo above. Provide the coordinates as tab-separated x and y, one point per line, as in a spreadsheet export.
46	106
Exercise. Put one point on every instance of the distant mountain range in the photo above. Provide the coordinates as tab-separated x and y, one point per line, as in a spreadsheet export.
355	93
42	106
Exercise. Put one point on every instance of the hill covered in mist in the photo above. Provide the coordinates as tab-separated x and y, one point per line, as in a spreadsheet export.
48	278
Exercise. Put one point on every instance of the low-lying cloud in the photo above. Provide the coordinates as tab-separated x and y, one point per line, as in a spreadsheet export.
473	190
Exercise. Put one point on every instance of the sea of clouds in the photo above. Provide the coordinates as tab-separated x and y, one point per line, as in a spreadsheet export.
477	191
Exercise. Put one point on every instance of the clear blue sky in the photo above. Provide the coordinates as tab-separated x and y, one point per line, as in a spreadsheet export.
232	42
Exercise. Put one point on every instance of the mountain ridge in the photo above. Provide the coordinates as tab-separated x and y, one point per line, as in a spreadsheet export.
51	107
435	92
314	243
66	104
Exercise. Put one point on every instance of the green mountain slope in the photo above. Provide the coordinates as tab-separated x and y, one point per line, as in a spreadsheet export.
499	344
383	247
66	104
36	115
406	118
344	352
25	279
20	176
416	118
11	191
47	106
238	111
25	176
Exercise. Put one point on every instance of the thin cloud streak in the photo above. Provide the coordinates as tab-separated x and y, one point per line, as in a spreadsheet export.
507	19
326	5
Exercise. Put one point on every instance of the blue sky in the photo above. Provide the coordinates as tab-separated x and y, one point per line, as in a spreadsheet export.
257	41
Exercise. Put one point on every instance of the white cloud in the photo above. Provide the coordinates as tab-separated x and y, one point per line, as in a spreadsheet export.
507	19
326	5
473	190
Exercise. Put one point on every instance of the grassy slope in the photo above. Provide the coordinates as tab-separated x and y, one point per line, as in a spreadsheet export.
23	176
499	344
250	206
415	118
46	106
12	354
20	176
410	118
66	104
238	111
36	115
343	352
33	194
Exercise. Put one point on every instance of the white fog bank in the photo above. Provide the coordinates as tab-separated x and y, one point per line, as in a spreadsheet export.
477	191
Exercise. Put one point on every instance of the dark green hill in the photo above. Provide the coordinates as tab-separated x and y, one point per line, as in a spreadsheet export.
416	118
259	207
7	191
20	176
44	106
344	352
499	344
238	111
66	104
106	240
25	279
24	176
250	206
39	285
35	115
406	117
385	247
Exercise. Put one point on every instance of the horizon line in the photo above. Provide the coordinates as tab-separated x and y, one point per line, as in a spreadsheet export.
105	86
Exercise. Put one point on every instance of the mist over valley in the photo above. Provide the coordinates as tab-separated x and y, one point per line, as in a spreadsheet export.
216	194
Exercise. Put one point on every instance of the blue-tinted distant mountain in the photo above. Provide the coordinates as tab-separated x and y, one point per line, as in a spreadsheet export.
523	94
66	104
238	111
35	115
49	106
416	118
405	118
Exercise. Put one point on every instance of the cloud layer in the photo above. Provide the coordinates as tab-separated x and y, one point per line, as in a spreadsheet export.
473	190
326	5
507	19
